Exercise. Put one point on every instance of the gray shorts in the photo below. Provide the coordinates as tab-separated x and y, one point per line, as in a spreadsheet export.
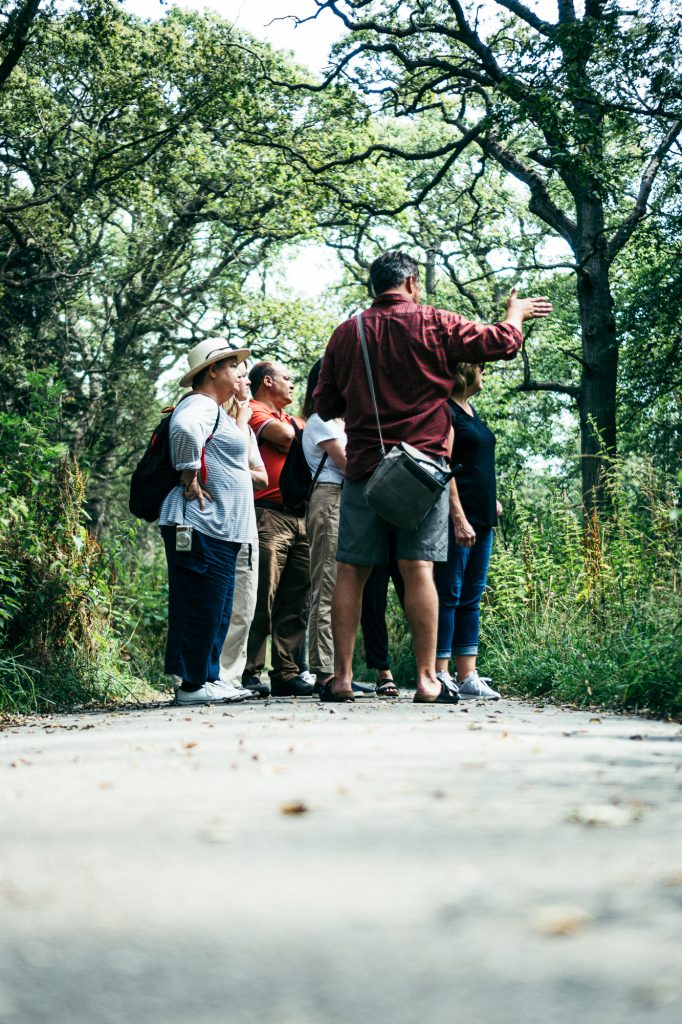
363	535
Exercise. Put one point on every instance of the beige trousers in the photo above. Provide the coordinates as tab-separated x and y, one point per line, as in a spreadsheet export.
322	527
233	654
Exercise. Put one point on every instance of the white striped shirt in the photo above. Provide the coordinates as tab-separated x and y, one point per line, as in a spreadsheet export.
230	515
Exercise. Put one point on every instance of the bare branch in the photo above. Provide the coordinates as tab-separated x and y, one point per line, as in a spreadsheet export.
541	203
523	12
528	384
627	227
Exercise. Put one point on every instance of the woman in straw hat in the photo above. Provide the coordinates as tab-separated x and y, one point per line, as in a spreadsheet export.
205	519
233	655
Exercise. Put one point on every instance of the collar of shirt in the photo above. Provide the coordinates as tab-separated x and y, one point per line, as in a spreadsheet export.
393	299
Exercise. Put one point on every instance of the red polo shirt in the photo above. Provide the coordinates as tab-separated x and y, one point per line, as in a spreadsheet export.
413	352
272	457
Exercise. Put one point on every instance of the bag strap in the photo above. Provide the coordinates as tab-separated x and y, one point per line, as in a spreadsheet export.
319	469
370	381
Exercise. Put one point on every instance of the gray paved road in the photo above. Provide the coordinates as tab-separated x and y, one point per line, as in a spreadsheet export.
494	864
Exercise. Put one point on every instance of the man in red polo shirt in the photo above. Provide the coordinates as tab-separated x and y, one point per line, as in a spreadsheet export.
414	351
283	566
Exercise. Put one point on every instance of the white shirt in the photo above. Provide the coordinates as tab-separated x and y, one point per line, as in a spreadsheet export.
230	516
316	431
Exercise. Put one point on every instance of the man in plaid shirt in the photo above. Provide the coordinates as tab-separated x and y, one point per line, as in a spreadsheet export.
414	351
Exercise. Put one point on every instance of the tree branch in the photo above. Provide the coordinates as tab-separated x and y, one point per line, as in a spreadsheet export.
516	7
541	203
627	227
17	30
528	384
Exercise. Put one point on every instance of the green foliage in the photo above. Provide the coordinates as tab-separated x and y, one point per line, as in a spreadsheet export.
593	615
581	615
140	607
57	646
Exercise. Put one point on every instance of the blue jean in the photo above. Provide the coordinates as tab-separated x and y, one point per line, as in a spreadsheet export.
200	596
460	583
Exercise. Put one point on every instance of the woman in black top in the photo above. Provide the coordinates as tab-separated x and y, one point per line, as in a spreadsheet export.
474	509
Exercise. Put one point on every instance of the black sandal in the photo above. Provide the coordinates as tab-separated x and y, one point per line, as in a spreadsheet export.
343	697
446	696
387	688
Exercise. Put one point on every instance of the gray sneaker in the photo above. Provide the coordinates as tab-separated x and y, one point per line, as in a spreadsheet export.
209	693
474	686
445	677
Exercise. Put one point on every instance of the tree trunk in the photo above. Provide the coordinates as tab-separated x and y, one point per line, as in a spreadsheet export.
597	399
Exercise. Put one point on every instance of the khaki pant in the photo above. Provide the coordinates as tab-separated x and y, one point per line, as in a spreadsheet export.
283	589
233	654
322	525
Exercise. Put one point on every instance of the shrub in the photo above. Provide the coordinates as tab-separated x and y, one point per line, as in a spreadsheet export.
590	614
57	646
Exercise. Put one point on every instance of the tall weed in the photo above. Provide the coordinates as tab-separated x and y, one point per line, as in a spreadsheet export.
590	612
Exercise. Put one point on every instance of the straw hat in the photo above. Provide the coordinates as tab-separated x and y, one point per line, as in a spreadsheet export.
211	350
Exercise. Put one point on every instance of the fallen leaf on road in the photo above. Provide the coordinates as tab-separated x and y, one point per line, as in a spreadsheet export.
560	920
596	720
295	807
188	746
594	815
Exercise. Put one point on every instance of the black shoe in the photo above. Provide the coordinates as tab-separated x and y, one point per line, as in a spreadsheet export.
294	687
256	685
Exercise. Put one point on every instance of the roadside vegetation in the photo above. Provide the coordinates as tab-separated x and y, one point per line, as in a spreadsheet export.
157	180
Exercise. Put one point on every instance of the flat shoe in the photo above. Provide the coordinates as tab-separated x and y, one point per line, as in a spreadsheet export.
446	696
343	697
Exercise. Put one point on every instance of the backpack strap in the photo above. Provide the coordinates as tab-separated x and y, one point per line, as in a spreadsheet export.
319	469
203	470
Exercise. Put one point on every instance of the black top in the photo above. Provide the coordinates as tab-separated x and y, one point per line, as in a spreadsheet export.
474	451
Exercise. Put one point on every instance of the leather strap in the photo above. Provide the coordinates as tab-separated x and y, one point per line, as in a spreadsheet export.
370	381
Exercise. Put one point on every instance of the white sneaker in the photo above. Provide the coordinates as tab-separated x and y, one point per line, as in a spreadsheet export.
474	686
209	693
445	677
308	677
236	687
232	693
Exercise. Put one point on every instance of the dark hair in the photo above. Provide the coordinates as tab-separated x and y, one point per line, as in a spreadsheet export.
258	372
390	270
201	376
465	375
313	377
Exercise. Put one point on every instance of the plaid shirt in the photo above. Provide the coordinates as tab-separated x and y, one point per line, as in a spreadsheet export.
413	352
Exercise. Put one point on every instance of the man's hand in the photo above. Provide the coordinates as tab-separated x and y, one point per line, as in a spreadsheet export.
193	489
519	310
498	509
465	535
